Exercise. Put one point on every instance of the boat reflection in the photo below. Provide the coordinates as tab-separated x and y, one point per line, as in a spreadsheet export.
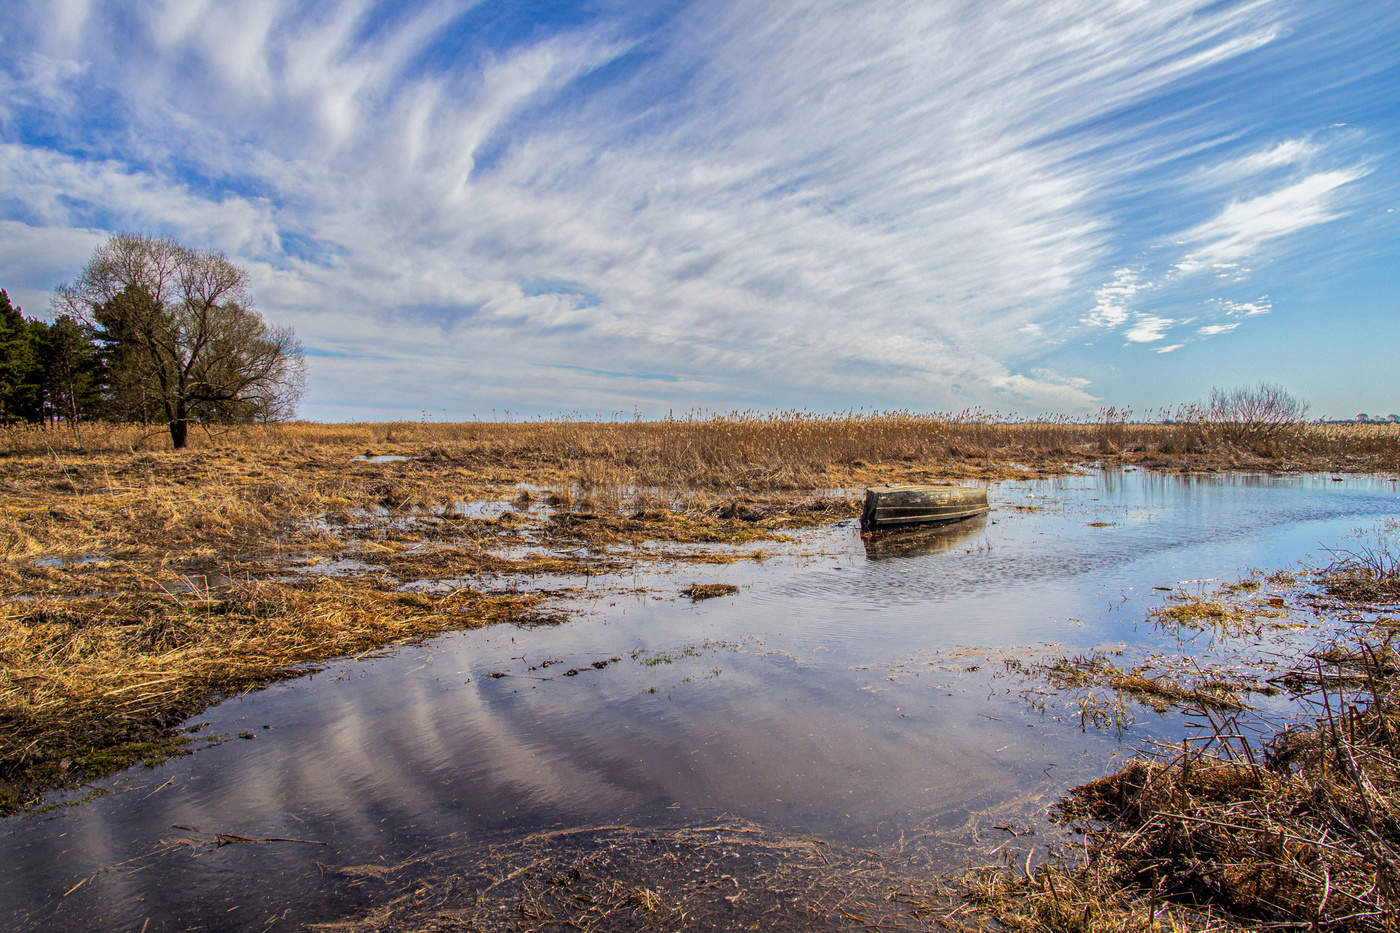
921	541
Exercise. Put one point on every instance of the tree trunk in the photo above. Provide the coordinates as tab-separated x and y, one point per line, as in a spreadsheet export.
179	433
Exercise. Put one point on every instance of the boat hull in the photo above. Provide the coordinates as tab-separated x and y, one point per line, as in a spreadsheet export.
902	506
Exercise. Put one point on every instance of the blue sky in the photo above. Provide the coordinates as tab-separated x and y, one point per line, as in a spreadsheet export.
612	206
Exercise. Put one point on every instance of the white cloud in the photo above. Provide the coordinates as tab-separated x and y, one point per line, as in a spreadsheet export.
1047	389
815	201
1148	328
1112	299
1247	308
1211	330
1244	227
1289	152
1170	348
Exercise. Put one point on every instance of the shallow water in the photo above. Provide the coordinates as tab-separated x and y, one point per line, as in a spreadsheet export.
381	458
849	691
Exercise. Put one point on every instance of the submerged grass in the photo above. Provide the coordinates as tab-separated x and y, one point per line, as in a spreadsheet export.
1237	619
1162	689
730	874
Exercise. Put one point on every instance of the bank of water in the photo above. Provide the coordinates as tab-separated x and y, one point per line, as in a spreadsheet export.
852	692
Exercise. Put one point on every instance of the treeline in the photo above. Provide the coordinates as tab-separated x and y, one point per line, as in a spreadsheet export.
58	371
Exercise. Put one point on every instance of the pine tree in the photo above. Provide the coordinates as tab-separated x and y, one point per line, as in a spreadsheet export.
18	360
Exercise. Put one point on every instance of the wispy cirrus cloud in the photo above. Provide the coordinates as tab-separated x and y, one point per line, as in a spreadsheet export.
1245	227
754	204
1247	308
1281	155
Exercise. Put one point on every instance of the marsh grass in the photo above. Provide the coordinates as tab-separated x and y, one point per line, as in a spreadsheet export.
1368	572
1156	683
700	591
1237	619
767	450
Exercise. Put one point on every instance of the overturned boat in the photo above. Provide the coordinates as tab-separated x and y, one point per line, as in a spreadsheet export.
904	505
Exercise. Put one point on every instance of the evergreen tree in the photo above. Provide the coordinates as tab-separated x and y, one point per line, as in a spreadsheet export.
73	373
18	361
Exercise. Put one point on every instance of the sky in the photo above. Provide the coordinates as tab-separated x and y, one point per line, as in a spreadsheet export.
611	209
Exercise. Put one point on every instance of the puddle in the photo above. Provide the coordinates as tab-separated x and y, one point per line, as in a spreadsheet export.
381	458
83	560
334	567
852	689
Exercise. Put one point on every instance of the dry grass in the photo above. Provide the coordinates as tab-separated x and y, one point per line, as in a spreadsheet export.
1304	835
699	591
1183	687
1235	619
1368	573
769	451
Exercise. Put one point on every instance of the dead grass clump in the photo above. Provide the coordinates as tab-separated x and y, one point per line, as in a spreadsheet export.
1205	614
1369	574
699	591
1158	689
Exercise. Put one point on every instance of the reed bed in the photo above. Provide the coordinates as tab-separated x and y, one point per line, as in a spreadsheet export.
769	450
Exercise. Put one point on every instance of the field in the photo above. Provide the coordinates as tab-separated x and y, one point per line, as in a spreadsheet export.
142	585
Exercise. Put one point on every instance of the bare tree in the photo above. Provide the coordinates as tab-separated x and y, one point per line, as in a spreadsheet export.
184	342
1253	413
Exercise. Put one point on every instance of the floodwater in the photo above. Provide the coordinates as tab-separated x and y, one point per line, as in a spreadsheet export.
852	692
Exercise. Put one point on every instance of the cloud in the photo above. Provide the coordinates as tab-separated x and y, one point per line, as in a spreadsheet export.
897	202
1148	328
1170	348
1211	330
1242	229
1286	153
1112	299
1247	308
1047	389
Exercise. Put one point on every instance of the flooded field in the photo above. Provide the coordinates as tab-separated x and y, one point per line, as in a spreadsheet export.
855	690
